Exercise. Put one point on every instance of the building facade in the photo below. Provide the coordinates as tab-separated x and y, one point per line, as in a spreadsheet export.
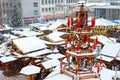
28	9
50	10
32	10
7	7
109	12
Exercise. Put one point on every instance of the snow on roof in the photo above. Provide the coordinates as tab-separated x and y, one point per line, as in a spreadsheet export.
107	7
111	49
59	77
41	52
27	33
107	74
102	39
7	59
36	25
82	54
105	58
10	36
4	27
64	21
102	22
29	44
51	63
55	25
97	4
118	58
55	72
54	43
56	56
55	36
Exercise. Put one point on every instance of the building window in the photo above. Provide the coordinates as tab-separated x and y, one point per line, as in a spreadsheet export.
3	4
46	9
10	4
43	10
35	4
55	1
49	9
43	2
52	1
58	1
19	5
49	2
52	8
35	12
6	4
61	1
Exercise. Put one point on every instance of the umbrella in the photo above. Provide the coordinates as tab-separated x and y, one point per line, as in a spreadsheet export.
30	70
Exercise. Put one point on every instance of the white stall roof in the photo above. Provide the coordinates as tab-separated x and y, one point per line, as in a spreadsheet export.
118	58
111	49
41	52
55	25
56	56
59	77
107	74
103	22
102	39
55	72
7	59
105	58
29	44
51	63
27	33
55	36
54	43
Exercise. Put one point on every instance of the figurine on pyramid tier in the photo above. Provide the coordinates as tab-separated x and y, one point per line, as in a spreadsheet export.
80	53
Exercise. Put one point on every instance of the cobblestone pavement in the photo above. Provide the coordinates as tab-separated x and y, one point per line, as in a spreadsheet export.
16	77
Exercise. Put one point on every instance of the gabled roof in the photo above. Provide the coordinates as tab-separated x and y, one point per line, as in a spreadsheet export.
55	36
29	44
111	50
102	39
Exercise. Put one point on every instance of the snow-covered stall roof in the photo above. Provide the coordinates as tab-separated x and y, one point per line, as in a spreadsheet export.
55	25
104	74
9	36
29	44
55	36
54	43
102	22
7	59
102	39
4	27
38	25
27	33
59	77
41	52
51	63
105	58
56	56
111	49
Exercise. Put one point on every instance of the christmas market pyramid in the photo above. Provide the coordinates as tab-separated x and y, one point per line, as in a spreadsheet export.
79	51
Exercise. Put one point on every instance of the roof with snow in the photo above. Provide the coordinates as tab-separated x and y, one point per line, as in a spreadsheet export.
102	39
111	50
29	44
55	36
27	32
102	22
55	25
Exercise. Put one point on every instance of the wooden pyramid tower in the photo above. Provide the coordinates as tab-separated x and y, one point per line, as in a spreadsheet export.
79	52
